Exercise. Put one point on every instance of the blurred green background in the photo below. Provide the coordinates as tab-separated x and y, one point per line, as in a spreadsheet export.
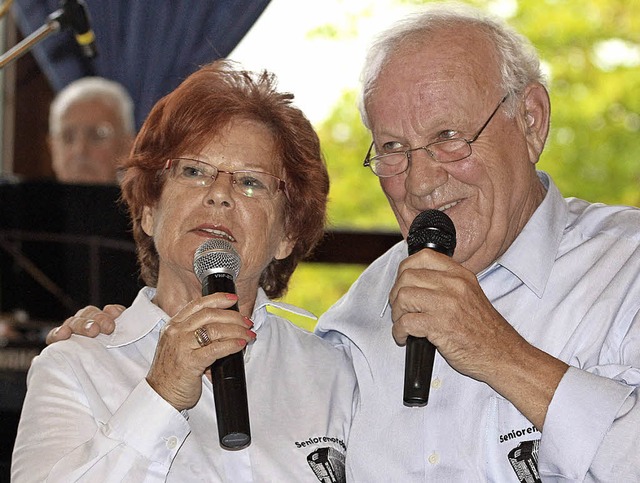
591	53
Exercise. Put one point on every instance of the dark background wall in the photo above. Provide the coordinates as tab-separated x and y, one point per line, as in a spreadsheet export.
33	96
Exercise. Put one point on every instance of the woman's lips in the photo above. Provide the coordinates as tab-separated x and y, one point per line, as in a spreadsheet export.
216	233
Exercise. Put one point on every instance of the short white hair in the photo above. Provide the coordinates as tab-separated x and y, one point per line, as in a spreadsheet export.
519	60
93	88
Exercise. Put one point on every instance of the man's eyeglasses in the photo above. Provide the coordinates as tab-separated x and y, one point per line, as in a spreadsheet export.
195	173
447	151
96	135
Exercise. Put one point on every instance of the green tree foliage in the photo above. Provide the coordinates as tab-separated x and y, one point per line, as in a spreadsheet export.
355	200
591	49
591	52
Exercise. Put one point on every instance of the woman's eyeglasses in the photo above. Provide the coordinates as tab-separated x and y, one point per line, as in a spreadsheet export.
196	173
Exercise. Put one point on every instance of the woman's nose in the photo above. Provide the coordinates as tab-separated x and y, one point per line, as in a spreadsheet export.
221	191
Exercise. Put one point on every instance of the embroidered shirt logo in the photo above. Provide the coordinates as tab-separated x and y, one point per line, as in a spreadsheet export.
328	465
524	461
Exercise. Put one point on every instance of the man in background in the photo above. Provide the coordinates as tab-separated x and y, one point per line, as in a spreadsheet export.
91	125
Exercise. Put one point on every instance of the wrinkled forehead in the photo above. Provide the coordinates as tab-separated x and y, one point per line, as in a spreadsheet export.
448	51
242	143
436	73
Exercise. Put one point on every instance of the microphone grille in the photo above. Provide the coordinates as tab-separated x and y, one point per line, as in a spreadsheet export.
216	255
432	229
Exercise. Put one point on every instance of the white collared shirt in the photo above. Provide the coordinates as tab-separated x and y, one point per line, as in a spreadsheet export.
89	414
570	285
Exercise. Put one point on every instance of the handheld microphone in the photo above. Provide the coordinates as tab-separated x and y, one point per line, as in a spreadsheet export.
217	264
430	229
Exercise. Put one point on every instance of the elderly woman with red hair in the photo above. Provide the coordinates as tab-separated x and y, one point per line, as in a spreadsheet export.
224	157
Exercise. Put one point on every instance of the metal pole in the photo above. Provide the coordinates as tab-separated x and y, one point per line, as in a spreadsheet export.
28	42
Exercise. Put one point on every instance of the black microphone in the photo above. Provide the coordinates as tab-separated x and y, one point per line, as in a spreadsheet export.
74	14
430	229
217	264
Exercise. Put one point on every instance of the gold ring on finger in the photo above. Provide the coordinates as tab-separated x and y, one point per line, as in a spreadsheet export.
202	336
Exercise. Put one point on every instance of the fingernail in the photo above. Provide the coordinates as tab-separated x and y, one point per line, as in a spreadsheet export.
56	330
248	322
231	296
242	342
89	323
251	334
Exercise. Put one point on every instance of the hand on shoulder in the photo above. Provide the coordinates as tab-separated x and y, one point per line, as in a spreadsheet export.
88	321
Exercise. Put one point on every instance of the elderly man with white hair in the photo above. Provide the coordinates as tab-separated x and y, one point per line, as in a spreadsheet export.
91	126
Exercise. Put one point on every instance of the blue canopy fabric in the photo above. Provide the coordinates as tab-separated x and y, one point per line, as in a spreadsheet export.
149	46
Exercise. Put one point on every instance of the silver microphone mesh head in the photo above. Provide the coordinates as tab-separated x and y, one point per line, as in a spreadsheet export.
216	255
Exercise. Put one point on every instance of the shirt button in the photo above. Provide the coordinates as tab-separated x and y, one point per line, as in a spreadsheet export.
433	458
172	442
436	383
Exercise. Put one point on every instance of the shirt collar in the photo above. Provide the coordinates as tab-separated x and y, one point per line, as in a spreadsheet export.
137	320
260	311
532	254
143	316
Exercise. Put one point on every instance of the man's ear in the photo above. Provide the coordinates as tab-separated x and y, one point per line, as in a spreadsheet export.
146	221
535	119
